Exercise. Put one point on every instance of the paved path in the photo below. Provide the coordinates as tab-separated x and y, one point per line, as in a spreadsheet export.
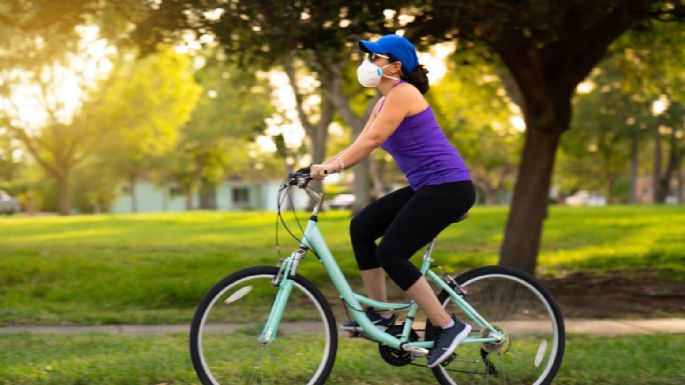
582	326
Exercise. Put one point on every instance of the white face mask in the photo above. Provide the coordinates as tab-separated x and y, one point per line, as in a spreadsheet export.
369	74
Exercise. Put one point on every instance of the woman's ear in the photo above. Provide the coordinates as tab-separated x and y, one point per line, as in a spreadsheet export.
397	67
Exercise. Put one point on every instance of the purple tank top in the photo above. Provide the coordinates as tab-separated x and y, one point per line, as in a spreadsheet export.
423	152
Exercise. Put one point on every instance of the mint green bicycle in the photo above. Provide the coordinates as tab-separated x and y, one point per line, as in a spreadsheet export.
269	325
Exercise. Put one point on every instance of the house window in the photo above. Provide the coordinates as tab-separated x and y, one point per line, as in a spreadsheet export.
241	197
175	191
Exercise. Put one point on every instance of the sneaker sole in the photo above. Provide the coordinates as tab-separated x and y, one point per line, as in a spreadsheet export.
457	340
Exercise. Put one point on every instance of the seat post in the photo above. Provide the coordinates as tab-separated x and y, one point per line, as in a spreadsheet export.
429	251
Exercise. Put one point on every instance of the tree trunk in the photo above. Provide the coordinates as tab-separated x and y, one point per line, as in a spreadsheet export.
633	169
200	162
133	181
658	194
64	191
207	195
489	195
529	204
611	182
318	137
189	199
316	132
671	168
681	184
165	197
377	170
361	186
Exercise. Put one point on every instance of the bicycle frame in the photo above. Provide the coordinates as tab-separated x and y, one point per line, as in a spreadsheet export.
314	240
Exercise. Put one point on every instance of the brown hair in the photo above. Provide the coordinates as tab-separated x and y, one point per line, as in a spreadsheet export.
417	77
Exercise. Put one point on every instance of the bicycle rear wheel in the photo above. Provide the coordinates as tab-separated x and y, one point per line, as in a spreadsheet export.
224	333
516	303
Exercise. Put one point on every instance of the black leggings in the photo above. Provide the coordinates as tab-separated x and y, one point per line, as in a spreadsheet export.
407	220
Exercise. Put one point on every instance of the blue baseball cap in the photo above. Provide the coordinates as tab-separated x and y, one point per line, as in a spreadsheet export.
397	46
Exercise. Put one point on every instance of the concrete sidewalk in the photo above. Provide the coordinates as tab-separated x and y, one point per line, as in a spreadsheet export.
576	326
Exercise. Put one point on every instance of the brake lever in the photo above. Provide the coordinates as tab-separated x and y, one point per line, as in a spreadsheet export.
301	177
303	181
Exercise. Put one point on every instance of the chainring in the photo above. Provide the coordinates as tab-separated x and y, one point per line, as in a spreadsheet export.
396	357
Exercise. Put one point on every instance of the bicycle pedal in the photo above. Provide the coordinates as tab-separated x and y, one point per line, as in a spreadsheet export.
448	360
355	334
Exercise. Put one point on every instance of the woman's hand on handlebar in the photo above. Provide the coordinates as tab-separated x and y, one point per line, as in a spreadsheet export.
319	171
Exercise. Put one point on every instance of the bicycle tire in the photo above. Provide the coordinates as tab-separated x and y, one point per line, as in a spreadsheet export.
233	345
529	314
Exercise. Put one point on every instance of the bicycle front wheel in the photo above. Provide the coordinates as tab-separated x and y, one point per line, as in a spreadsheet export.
224	335
515	303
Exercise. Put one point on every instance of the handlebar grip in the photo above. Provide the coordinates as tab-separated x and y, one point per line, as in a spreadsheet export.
304	170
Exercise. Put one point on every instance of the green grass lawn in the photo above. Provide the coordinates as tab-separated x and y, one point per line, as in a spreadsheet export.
126	360
154	268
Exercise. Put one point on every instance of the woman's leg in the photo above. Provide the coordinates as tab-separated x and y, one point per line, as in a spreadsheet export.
365	228
374	283
425	297
423	217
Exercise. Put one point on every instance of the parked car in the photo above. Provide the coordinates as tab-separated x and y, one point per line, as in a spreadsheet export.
8	204
341	202
586	198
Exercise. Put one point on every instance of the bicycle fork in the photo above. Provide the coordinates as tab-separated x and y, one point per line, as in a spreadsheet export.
287	269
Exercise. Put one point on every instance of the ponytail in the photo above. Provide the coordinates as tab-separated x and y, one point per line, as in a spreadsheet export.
417	78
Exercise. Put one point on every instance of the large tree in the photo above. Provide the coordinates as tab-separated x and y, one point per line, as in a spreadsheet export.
9	159
40	41
231	110
55	132
149	100
548	47
315	36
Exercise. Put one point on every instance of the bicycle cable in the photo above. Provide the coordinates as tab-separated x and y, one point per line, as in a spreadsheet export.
286	187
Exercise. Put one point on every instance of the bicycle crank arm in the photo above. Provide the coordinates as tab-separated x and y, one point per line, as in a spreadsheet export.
420	352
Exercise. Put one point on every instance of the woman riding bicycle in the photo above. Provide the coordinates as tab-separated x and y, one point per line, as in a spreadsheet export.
439	192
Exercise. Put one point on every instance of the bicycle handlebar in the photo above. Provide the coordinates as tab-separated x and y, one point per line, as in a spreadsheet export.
299	178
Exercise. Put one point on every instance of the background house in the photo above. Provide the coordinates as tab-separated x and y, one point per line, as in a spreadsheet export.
230	195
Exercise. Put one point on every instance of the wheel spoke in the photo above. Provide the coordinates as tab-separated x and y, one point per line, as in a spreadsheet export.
231	318
518	306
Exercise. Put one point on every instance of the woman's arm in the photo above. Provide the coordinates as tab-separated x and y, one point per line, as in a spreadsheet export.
377	130
372	117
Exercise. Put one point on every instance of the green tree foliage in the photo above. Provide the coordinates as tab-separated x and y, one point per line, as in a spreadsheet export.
34	33
214	142
311	37
548	47
476	114
9	162
597	156
38	37
618	135
64	137
148	102
609	124
652	61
